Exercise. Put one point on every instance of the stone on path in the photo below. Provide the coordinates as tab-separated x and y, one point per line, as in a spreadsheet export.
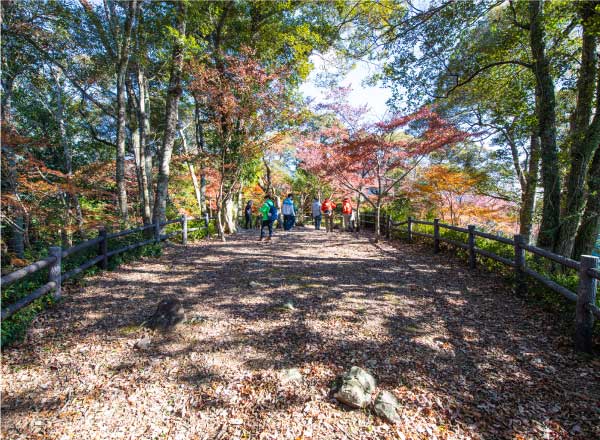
386	406
255	285
288	305
355	388
291	375
168	314
143	343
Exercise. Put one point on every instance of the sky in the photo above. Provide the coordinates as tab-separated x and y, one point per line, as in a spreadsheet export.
375	97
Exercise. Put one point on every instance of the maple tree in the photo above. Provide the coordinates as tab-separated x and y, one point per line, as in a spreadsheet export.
241	98
371	159
453	195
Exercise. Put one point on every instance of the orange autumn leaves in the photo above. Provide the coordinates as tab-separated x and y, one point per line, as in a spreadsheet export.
453	196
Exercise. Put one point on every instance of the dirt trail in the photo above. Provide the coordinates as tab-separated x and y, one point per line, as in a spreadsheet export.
464	356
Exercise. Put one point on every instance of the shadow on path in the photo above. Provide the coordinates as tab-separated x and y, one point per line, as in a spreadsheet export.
465	357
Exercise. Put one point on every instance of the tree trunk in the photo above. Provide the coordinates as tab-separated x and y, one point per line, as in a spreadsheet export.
200	147
377	222
357	220
138	153
144	127
203	201
529	188
589	230
192	171
229	214
140	147
219	214
546	115
277	201
16	243
121	134
138	159
239	207
171	116
583	137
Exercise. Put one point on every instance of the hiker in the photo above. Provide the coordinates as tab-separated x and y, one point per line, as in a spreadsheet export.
289	213
327	208
269	215
316	213
248	214
346	214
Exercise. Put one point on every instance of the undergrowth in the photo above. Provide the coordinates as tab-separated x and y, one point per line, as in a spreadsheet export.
14	328
537	292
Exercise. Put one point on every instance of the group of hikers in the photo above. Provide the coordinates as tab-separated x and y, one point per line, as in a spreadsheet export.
269	213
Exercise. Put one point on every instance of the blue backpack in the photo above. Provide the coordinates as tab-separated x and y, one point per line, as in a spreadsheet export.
273	212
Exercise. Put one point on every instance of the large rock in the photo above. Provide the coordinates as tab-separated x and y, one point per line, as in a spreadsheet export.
355	387
168	314
386	406
366	379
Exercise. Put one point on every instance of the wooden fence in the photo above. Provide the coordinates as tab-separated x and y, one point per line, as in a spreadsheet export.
57	255
587	268
585	297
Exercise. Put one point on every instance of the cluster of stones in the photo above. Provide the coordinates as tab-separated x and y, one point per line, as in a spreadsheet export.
355	388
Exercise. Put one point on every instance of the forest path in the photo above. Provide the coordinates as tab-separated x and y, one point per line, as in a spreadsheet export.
465	357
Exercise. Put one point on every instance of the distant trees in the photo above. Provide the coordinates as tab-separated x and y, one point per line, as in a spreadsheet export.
100	87
241	99
371	159
455	196
526	71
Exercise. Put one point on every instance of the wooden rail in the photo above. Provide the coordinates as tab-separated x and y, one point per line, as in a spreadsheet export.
585	297
54	261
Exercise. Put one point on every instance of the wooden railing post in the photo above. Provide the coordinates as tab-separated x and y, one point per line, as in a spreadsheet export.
521	285
586	294
157	230
103	248
436	235
472	259
184	229
409	226
55	269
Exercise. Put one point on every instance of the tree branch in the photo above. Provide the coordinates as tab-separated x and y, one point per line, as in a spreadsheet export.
480	70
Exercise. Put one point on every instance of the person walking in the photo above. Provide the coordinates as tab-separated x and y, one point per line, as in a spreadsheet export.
269	215
289	213
316	213
346	213
327	208
248	214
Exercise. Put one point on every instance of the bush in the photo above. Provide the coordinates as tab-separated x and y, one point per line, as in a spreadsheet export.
14	328
536	291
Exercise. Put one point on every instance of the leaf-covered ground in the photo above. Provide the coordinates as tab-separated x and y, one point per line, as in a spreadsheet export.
466	358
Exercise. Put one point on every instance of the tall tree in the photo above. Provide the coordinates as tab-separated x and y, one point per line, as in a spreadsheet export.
584	132
372	160
589	230
174	92
115	35
241	99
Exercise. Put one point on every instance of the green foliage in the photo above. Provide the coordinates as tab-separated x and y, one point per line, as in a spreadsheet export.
15	327
536	292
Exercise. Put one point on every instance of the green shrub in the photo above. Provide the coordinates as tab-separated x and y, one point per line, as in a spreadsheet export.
14	328
536	291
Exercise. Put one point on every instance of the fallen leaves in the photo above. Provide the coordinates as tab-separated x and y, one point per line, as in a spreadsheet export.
471	365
